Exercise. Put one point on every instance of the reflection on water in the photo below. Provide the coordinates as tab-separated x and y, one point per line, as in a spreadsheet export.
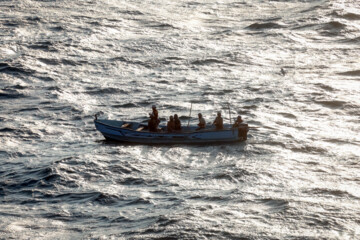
288	68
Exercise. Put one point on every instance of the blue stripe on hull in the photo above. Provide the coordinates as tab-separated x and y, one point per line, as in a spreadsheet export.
161	141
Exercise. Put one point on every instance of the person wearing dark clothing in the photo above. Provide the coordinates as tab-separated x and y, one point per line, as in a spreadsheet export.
152	125
177	123
155	112
237	122
218	122
171	124
201	123
156	115
242	127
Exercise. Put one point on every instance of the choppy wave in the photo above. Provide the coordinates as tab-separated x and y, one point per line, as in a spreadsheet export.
14	69
10	92
333	192
350	73
331	103
262	26
289	68
346	15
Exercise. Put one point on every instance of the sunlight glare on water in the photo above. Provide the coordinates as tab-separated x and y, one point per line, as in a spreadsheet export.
289	68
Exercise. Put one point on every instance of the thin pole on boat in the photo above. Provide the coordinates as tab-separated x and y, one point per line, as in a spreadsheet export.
229	112
189	115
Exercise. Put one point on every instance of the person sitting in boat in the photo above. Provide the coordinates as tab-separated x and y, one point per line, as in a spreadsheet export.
238	122
156	115
218	122
171	124
152	125
177	123
202	122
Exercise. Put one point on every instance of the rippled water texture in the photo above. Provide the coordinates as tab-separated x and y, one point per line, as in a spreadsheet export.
290	68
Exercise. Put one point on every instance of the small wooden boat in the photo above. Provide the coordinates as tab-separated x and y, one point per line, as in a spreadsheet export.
134	132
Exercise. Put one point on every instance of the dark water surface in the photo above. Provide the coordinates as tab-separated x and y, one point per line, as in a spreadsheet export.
297	176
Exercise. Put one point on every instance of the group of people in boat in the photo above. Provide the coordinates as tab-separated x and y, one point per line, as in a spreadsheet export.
174	124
